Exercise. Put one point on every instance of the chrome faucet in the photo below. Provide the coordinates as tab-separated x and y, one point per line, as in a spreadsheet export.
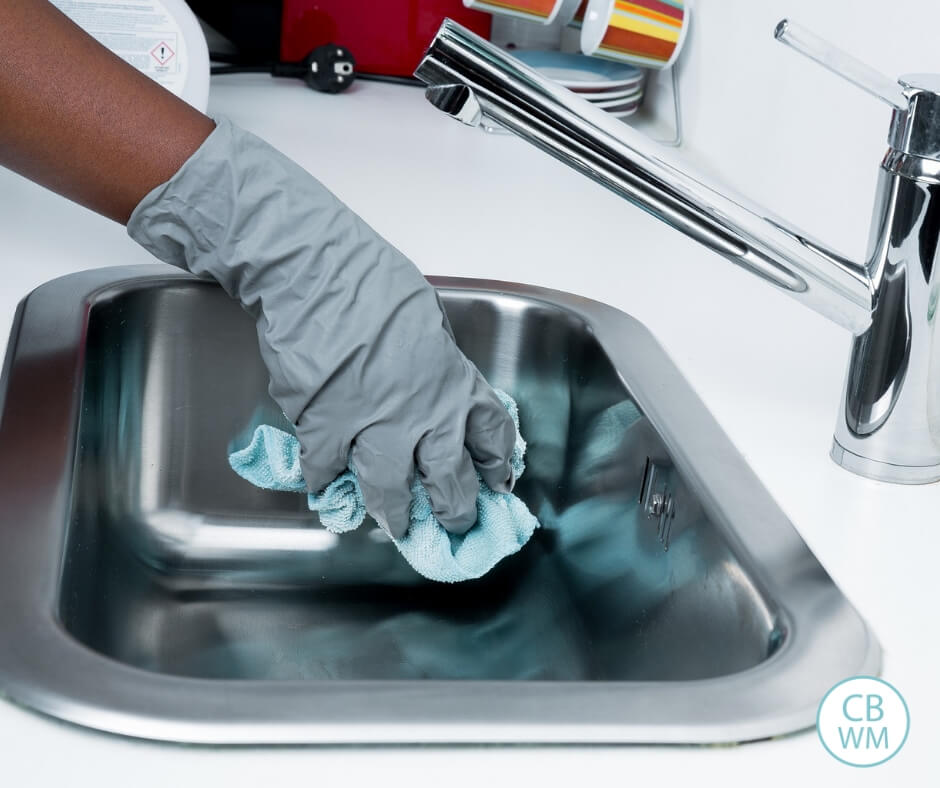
889	424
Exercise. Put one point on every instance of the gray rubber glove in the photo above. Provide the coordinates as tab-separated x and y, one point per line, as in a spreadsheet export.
360	353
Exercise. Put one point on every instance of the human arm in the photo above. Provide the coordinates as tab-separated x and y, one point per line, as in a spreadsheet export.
77	119
358	348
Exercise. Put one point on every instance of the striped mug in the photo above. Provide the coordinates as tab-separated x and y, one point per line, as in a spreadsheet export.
645	33
543	11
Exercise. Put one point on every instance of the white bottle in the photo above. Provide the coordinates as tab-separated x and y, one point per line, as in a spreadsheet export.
161	38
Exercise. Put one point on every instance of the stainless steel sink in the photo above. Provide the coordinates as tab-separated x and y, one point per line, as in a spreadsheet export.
151	592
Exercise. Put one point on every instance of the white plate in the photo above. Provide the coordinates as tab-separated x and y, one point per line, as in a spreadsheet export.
580	72
603	96
620	105
614	86
625	113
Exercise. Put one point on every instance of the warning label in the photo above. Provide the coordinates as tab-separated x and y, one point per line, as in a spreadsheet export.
141	32
162	53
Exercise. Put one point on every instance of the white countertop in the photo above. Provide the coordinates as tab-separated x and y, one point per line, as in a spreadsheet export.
460	202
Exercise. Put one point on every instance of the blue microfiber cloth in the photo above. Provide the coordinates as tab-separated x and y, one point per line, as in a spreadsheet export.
504	523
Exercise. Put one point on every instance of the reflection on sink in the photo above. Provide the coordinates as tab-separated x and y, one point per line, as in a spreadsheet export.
193	606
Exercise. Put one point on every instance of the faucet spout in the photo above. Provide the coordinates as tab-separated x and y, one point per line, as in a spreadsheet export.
469	78
889	424
457	101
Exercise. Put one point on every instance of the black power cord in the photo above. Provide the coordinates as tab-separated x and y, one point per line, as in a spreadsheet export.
392	79
328	68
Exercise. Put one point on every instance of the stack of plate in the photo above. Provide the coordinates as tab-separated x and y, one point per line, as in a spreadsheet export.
615	87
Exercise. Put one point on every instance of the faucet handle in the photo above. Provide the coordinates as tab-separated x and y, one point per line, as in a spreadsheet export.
840	62
916	129
915	98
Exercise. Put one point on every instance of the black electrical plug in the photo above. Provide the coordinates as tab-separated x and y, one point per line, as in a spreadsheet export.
328	68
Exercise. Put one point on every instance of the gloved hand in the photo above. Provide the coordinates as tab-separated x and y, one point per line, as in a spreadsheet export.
360	353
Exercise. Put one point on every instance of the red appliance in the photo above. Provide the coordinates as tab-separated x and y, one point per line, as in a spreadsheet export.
385	36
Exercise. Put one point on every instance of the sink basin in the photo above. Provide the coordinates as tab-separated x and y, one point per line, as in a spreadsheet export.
151	592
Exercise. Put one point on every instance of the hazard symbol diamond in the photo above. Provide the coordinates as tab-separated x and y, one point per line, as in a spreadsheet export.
162	53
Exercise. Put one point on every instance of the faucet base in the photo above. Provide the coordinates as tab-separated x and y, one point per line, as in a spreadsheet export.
883	471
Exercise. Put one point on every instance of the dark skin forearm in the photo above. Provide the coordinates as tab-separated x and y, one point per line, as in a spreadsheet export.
77	119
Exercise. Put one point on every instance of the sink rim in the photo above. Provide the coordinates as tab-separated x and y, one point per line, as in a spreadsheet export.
44	667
